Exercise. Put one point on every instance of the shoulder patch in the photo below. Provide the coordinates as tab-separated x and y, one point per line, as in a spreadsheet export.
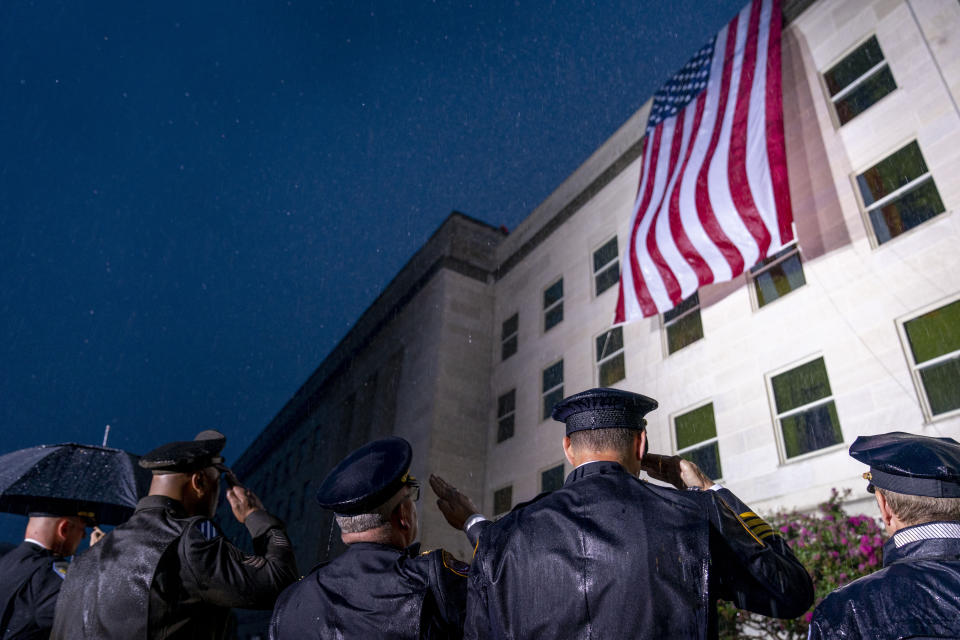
207	529
453	564
60	568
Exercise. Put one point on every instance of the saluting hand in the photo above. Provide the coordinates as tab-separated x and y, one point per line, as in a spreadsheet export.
242	501
456	507
674	470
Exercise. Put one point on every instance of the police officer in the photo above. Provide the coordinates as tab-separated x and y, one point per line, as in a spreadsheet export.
32	573
916	481
610	556
382	586
168	572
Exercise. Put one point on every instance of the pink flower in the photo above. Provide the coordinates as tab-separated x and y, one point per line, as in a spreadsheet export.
808	616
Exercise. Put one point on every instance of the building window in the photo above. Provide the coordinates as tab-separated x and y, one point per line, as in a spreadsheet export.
611	366
898	193
553	305
506	408
696	433
606	266
859	81
934	339
682	324
552	478
552	387
502	500
777	276
508	336
806	414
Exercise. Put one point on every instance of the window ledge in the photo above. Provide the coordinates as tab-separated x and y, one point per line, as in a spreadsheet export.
876	246
813	454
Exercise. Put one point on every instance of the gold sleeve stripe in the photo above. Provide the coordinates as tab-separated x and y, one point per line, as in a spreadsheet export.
767	534
755	522
760	531
742	523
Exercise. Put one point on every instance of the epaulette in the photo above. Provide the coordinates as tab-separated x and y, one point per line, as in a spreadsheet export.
521	505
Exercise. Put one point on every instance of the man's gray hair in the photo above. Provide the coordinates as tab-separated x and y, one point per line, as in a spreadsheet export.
919	509
361	523
596	440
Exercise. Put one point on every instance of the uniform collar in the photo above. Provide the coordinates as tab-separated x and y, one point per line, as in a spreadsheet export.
930	540
593	468
162	502
412	551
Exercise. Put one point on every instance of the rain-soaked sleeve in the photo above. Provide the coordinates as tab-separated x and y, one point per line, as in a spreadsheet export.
752	565
219	573
448	582
477	624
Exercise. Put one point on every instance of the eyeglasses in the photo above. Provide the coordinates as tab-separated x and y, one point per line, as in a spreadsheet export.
414	493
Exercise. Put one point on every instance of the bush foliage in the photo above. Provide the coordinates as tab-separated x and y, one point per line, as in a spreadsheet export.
835	547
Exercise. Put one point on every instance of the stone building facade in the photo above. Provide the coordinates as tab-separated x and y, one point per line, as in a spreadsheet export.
765	380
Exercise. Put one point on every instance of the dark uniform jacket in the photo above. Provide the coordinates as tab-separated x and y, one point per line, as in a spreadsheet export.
30	579
165	575
376	591
610	556
915	595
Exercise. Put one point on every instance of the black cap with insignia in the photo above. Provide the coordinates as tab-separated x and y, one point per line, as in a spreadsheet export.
910	464
604	409
368	477
183	457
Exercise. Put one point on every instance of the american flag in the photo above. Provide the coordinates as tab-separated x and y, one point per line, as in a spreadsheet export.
713	197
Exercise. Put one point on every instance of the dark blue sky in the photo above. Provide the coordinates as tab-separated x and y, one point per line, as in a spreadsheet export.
198	199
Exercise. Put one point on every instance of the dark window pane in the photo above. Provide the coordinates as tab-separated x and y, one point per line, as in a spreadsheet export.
613	370
553	293
685	305
550	400
707	458
695	426
860	60
810	430
608	278
510	326
891	173
865	95
552	375
934	333
684	331
506	403
941	381
552	479
771	259
610	342
553	317
779	280
509	348
906	212
604	254
505	428
803	385
502	500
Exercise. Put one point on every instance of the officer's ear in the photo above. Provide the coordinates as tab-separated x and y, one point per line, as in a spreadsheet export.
640	444
199	482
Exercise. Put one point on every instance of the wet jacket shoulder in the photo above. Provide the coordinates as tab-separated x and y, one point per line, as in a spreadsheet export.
164	574
374	590
610	556
915	594
30	579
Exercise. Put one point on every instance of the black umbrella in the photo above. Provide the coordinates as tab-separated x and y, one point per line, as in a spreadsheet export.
71	477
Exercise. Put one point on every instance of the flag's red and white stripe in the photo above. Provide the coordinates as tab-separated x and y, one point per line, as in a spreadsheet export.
713	197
